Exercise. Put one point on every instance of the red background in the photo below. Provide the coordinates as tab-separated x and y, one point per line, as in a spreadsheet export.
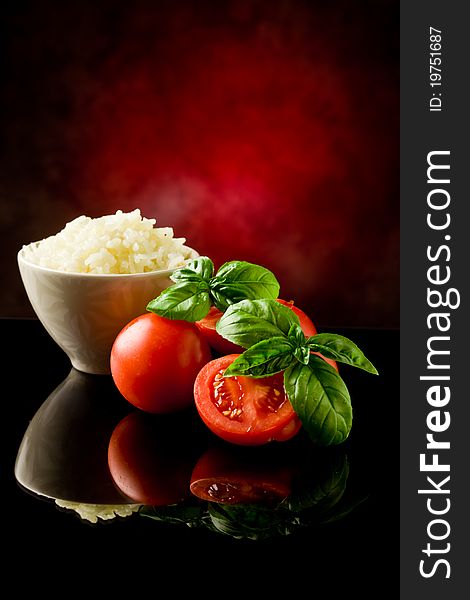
260	130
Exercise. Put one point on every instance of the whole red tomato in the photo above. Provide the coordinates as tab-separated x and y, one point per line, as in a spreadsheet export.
244	410
155	361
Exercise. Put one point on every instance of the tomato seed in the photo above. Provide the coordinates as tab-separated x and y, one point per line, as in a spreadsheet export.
228	396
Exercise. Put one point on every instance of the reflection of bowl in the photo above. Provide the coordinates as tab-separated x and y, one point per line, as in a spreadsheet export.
84	312
64	451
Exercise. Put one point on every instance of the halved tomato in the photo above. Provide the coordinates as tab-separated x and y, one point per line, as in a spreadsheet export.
244	410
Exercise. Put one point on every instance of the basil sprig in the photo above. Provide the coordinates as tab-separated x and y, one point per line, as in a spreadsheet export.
275	342
196	288
238	280
251	321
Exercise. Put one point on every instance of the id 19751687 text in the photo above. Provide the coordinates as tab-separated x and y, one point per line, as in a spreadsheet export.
435	69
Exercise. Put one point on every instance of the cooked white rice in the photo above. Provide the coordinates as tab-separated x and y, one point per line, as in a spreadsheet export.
120	243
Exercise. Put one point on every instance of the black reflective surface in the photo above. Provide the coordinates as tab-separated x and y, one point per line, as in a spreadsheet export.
324	518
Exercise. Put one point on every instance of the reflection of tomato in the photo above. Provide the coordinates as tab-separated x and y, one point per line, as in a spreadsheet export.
244	410
222	475
207	326
145	464
154	362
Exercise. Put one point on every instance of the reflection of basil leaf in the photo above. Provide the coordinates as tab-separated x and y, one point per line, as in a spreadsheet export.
321	487
341	349
251	321
174	513
262	359
343	508
246	521
320	494
320	399
239	280
187	300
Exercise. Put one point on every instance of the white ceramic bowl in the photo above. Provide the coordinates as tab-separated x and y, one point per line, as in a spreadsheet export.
84	312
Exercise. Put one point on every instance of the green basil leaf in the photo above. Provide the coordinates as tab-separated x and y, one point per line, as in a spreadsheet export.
250	321
302	354
239	280
187	300
341	349
297	338
296	335
265	358
195	270
321	400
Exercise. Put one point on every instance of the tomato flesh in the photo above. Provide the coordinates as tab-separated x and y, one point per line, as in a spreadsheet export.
244	410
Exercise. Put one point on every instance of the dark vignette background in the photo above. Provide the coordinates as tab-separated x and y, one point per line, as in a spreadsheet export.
264	131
